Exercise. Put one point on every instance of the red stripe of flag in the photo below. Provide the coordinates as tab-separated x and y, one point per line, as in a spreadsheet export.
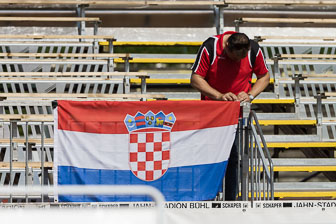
107	117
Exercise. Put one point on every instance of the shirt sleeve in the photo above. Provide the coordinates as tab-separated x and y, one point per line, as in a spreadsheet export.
202	62
260	67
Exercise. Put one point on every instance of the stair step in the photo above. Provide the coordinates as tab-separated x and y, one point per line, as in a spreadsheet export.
292	138
181	95
305	186
286	122
275	116
308	165
330	144
301	190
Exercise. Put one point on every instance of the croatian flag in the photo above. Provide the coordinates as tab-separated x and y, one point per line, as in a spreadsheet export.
179	147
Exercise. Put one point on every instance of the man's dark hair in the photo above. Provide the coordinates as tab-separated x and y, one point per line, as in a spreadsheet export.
239	43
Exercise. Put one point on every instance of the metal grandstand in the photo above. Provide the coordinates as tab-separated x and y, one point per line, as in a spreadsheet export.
296	113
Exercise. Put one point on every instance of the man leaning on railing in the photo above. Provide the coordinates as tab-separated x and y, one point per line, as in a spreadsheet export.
223	71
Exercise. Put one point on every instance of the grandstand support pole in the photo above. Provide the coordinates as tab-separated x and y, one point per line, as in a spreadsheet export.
237	23
42	158
110	65
26	160
10	160
81	13
143	84
95	28
127	65
244	151
318	114
276	59
127	85
219	18
110	46
240	153
12	134
297	78
95	47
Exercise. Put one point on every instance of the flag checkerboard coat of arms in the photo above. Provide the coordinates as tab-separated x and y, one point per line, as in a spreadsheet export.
149	144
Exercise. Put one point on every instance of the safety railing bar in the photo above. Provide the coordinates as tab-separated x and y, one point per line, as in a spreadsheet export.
268	190
10	158
263	140
240	150
30	122
252	167
255	170
42	158
270	171
259	176
253	114
264	196
26	160
263	158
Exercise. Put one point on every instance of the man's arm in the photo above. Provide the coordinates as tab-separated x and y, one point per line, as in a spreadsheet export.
261	83
202	85
259	86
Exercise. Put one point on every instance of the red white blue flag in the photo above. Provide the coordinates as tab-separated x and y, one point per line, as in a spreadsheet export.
179	147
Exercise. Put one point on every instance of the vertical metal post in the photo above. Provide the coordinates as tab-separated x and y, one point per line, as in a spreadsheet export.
42	158
251	150
244	147
264	177
127	85
10	159
276	59
12	134
143	84
81	24
240	154
237	22
95	47
26	159
127	66
95	28
110	65
272	183
219	19
258	173
110	46
318	114
297	78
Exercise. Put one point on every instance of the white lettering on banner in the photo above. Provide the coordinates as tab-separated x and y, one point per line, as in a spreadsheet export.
231	205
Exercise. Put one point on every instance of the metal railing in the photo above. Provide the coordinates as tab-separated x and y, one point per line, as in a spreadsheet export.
255	164
256	174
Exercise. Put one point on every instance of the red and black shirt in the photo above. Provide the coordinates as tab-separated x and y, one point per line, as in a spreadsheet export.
224	74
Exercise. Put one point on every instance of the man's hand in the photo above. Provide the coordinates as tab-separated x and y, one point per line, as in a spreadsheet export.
229	97
243	97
